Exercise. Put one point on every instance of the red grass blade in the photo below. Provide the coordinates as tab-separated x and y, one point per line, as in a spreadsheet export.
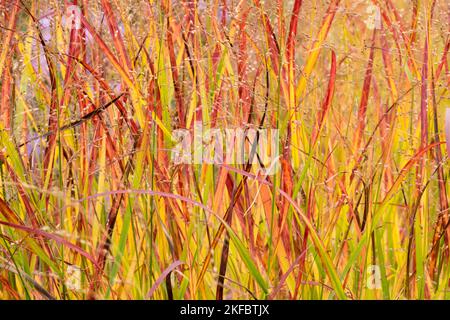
447	130
293	30
365	95
53	237
326	104
163	276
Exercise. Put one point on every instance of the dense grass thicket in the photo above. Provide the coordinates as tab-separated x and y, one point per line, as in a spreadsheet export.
93	204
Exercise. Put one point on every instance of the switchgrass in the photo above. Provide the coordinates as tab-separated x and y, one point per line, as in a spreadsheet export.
92	205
